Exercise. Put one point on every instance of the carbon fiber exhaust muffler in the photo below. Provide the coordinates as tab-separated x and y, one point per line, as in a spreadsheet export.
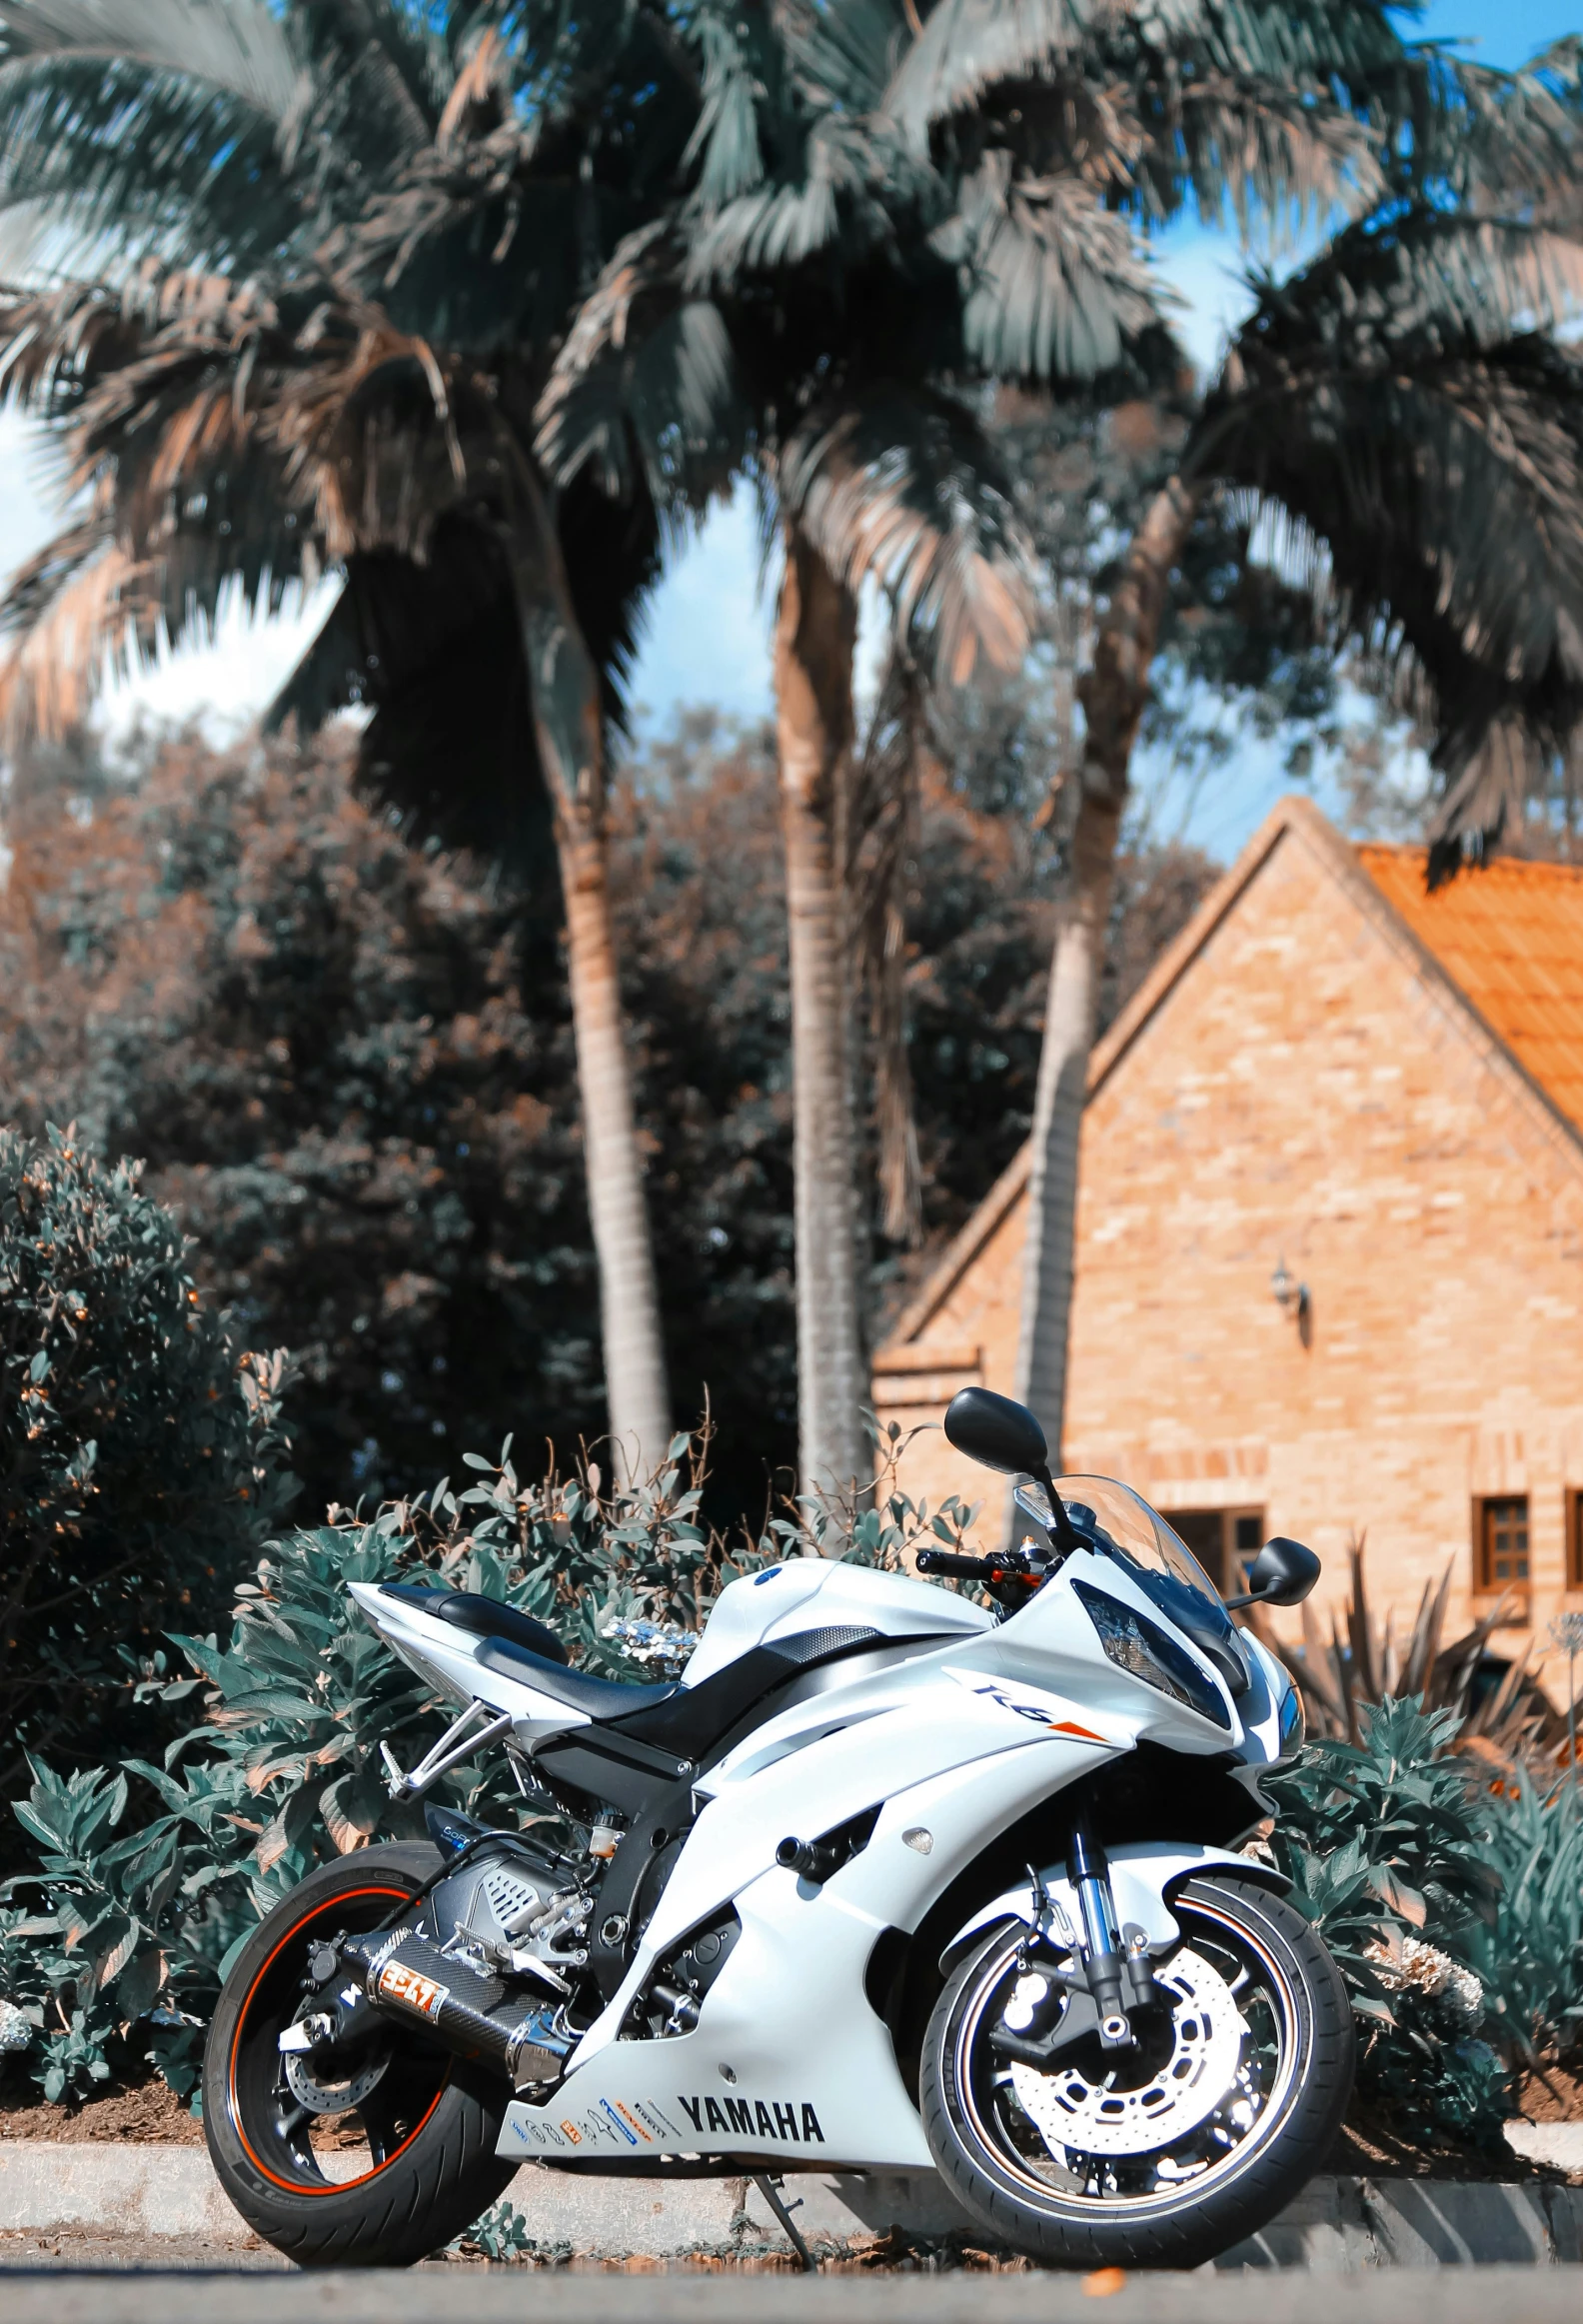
405	1977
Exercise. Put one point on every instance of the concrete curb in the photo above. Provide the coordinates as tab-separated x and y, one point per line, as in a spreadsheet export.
1338	2226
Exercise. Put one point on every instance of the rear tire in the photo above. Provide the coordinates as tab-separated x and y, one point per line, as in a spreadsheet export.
426	2165
1229	2166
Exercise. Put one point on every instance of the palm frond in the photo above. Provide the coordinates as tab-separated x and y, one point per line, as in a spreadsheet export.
433	650
1421	280
1258	152
827	195
1053	283
1508	142
846	51
390	67
725	143
966	47
646	380
1391	399
138	157
240	46
78	605
905	488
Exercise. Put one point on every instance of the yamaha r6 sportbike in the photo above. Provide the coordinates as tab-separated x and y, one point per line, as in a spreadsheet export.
887	1880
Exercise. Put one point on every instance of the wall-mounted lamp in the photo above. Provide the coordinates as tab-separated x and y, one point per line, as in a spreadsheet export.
1291	1297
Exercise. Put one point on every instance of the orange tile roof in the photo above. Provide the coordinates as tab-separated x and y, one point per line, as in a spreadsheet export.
1512	936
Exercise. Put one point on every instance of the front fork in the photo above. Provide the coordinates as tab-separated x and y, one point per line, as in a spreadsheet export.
1115	1961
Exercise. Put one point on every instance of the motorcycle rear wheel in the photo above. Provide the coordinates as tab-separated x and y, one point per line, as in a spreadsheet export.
1201	2137
402	2157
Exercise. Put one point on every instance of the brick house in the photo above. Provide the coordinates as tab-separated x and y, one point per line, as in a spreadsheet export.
1330	1234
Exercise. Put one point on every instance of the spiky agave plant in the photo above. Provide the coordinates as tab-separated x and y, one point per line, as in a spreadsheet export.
1364	1662
817	309
295	276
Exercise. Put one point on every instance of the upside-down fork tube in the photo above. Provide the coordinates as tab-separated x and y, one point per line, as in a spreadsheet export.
1102	1963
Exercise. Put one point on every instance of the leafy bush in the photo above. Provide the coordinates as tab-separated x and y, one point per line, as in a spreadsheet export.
140	1462
1452	1906
1531	1955
115	1948
1392	1848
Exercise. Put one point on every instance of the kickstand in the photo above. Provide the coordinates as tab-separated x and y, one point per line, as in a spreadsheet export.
766	2188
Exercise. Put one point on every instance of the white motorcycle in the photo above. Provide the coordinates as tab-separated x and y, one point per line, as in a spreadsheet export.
887	1881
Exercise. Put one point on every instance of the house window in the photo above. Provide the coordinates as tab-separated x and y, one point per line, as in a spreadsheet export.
1574	1539
1224	1541
1502	1545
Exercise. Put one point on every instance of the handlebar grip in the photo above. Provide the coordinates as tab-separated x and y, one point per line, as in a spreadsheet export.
964	1569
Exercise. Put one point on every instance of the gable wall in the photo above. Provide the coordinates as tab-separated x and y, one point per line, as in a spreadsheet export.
1308	1090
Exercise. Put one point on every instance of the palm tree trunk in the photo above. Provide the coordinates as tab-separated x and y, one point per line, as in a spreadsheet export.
564	684
1114	694
816	634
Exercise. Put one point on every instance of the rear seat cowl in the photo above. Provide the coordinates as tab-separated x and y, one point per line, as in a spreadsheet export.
480	1617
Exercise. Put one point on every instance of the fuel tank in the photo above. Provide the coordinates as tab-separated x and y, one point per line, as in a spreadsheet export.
812	1593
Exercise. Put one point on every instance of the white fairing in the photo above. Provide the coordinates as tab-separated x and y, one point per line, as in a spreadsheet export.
950	1747
808	1594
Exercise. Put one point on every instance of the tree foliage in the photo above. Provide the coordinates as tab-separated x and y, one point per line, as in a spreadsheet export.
314	1034
347	1061
139	1457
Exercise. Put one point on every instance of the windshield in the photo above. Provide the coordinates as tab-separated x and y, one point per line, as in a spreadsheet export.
1119	1523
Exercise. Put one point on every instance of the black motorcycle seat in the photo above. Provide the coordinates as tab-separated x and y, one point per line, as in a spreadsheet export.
601	1699
481	1618
685	1721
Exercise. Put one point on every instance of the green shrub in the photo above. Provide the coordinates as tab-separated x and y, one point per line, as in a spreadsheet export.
1531	1955
140	1462
1388	1846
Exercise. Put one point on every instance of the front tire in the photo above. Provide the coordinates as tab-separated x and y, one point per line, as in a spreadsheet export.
1226	2108
377	2171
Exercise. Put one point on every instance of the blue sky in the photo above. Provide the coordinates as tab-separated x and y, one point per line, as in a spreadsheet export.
708	633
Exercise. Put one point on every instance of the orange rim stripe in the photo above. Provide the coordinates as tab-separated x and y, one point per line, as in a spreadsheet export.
293	2186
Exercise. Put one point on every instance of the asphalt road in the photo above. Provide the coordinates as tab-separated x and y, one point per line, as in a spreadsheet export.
504	2295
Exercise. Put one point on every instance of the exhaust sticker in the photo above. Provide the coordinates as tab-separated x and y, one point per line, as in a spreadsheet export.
410	1987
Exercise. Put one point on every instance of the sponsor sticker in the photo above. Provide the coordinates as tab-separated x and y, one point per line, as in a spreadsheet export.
411	1988
616	2123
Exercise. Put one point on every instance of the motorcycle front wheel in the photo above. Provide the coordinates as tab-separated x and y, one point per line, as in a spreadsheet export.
1161	2155
372	2160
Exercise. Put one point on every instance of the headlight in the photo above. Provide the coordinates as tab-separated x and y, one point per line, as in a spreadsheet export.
1139	1645
1292	1728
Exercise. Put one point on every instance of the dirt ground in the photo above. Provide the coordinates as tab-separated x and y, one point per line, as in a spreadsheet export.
1553	2096
147	2116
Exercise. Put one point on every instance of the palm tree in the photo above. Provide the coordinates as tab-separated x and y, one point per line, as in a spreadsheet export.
1396	407
299	274
818	311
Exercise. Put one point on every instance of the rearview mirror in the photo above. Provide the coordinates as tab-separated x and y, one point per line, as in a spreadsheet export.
998	1433
1282	1574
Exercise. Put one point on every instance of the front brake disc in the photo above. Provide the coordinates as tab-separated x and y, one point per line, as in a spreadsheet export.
1208	2032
